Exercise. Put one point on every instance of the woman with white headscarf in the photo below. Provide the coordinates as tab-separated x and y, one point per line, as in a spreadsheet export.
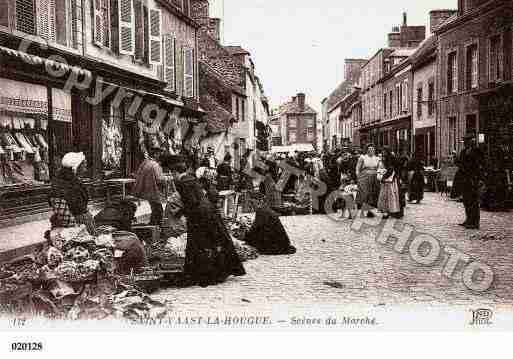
68	196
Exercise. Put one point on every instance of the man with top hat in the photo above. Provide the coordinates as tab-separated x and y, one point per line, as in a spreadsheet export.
470	164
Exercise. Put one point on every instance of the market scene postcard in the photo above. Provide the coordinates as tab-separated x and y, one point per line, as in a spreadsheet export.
286	165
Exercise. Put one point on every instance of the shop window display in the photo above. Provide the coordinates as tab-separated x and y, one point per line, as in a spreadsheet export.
23	150
24	133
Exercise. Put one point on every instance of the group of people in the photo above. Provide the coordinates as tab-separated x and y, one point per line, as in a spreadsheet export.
210	255
378	180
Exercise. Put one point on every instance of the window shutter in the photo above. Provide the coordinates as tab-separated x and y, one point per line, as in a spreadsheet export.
25	16
126	28
188	72
186	7
155	37
139	29
97	23
169	62
46	19
106	22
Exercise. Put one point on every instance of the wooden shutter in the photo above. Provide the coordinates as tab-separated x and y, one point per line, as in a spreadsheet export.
126	27
155	31
4	13
106	22
169	62
186	7
139	29
46	19
188	72
97	23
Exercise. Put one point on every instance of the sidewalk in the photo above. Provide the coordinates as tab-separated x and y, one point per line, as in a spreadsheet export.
22	239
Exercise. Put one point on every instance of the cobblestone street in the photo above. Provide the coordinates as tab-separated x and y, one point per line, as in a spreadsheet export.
337	266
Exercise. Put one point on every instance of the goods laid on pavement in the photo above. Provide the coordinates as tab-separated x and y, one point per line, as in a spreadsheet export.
79	276
174	247
489	236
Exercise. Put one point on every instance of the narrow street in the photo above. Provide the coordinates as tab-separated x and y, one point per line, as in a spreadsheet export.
336	266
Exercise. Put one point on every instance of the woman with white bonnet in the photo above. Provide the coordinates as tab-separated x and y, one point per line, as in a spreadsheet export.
68	197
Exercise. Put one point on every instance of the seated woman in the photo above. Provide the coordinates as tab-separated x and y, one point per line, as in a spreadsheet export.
210	256
267	234
68	197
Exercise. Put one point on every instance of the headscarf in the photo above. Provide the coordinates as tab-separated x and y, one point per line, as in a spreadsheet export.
73	160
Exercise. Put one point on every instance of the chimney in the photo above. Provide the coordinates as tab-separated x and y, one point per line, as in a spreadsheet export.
352	69
405	19
199	9
301	101
214	28
436	17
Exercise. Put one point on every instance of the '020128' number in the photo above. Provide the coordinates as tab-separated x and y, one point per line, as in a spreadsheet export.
26	346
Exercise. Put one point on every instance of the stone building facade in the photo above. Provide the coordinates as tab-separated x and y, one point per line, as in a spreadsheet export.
475	74
298	122
107	78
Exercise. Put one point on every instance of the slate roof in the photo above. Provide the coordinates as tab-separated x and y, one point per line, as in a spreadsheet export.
447	22
425	49
218	119
403	52
236	50
293	107
339	93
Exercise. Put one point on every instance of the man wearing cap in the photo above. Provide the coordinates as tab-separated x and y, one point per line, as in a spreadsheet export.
470	164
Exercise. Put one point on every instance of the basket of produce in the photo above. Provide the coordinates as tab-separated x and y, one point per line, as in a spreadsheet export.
72	272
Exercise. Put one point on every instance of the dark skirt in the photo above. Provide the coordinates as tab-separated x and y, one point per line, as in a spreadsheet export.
210	256
368	189
416	188
267	234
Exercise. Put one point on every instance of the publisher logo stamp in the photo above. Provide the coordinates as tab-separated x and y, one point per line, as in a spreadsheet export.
481	317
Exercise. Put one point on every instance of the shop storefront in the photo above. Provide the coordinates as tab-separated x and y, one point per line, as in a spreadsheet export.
425	145
495	135
40	122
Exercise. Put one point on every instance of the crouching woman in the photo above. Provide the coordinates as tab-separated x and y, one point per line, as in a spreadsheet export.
68	197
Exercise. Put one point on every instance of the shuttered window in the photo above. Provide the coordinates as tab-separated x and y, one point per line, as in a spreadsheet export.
186	7
155	32
188	72
126	27
106	22
405	97
97	23
139	29
46	19
25	16
101	23
169	62
4	13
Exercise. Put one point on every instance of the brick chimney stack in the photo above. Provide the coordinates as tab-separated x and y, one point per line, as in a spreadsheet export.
301	101
200	12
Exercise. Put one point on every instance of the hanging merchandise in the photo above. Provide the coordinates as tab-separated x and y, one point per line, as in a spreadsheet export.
112	144
42	141
10	143
22	140
41	170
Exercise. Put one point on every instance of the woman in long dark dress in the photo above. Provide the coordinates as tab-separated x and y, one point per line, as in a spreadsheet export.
267	234
210	256
416	186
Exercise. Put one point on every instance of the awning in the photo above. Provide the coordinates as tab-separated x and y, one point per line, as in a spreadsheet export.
27	98
299	147
39	61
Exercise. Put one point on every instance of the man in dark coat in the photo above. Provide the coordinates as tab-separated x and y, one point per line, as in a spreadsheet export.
470	164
